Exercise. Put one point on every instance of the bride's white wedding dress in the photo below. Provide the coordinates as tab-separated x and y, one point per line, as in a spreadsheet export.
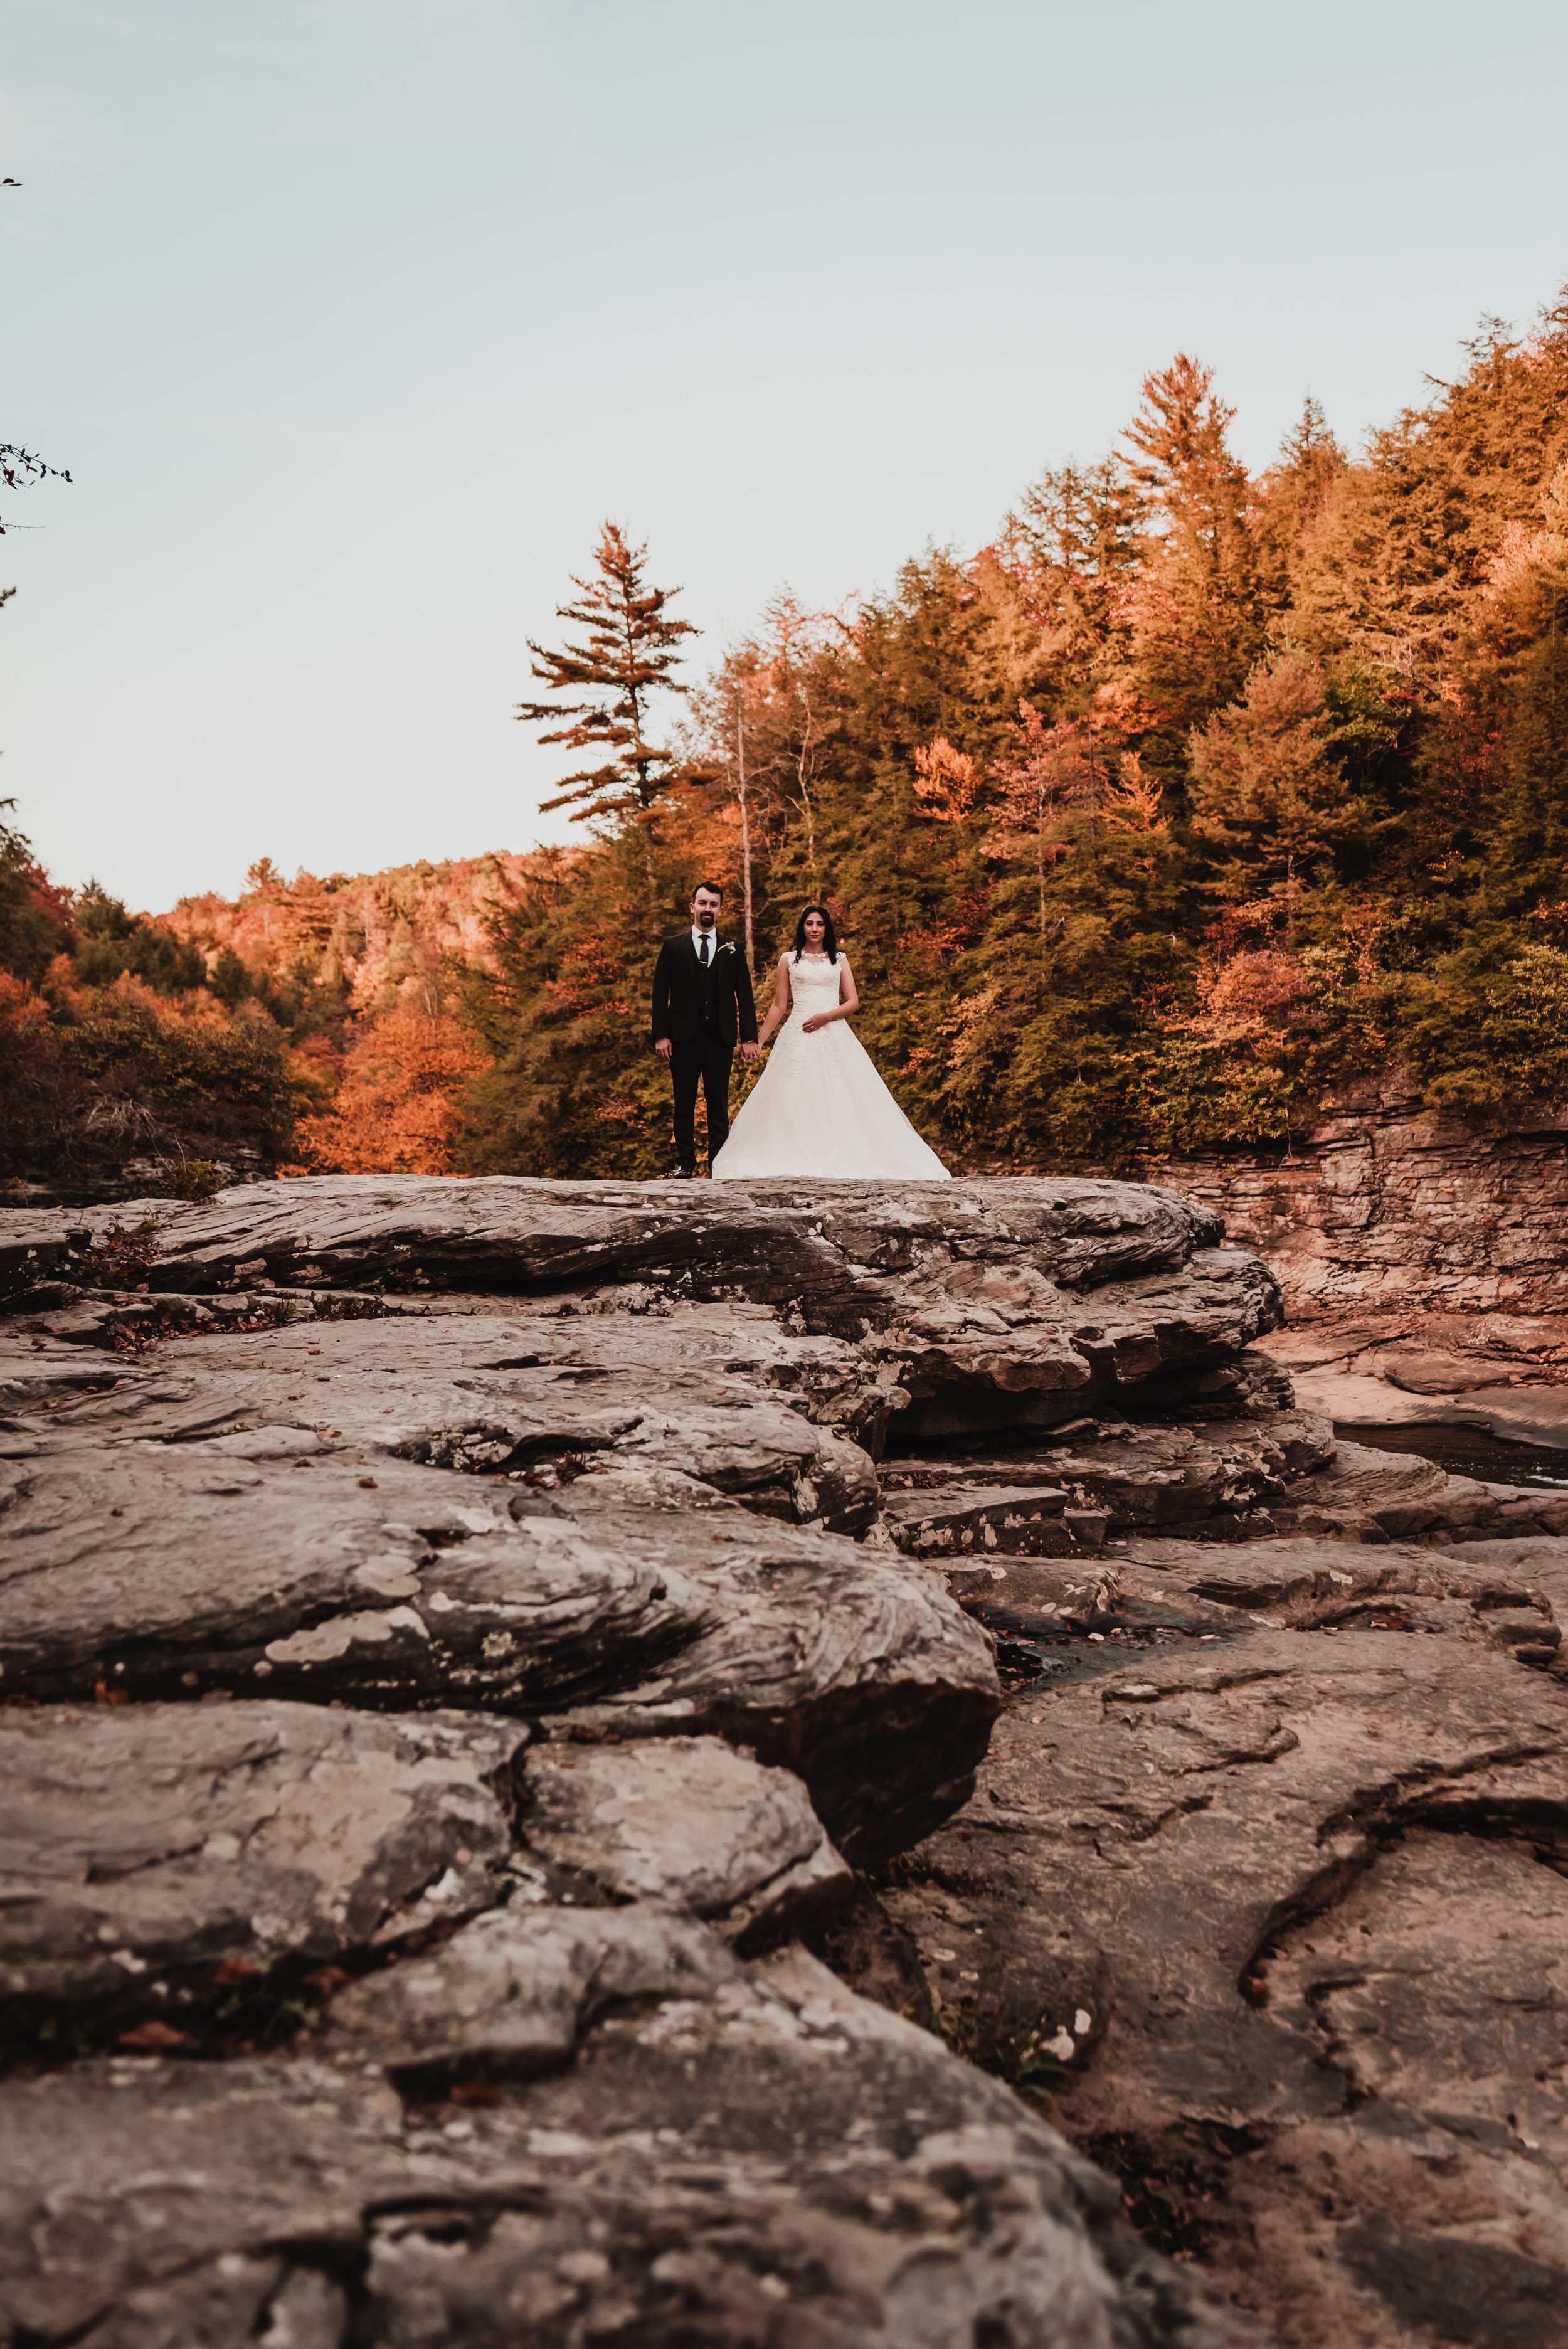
819	1107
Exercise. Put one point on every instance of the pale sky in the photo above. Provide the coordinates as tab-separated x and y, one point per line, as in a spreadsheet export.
352	318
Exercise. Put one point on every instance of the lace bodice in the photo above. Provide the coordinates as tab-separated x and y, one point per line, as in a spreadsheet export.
813	986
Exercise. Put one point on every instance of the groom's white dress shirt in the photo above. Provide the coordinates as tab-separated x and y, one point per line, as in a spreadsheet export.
697	938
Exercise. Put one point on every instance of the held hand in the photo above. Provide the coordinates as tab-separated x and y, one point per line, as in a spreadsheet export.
663	1048
752	1052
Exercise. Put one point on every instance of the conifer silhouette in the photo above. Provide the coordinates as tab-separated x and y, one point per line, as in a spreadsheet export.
627	651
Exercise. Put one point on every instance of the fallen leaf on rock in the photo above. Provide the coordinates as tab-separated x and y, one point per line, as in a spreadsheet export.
158	2037
104	1694
323	1981
475	2092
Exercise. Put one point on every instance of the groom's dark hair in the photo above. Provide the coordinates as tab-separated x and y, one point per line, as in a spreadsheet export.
829	936
714	887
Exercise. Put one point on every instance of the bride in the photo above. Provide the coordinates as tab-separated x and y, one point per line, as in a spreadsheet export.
819	1107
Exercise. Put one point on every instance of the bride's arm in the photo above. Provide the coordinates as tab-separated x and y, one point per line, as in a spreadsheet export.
849	1000
779	1009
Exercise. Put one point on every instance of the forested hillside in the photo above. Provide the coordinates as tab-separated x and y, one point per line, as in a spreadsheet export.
1194	796
1193	799
306	1024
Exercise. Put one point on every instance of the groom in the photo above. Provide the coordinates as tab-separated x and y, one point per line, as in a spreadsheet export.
701	1007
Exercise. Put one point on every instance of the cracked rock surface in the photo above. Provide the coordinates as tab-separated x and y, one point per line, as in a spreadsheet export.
147	1851
733	2155
1264	1876
769	1765
688	1819
453	1645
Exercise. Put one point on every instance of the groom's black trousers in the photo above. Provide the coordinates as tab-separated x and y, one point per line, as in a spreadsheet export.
706	1057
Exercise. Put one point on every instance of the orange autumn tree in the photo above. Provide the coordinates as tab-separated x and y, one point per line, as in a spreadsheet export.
396	1106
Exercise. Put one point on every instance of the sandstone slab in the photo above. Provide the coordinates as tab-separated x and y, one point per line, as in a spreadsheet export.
481	1395
852	1668
974	1292
941	1521
148	1851
513	1232
1186	1877
1512	1595
686	1821
1208	1479
1373	1495
1036	1597
769	2159
513	1993
78	1244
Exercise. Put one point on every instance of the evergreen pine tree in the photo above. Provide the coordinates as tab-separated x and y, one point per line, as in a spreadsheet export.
1195	607
626	653
1529	836
1267	791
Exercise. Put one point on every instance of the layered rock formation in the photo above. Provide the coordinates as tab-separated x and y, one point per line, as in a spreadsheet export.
1386	1208
633	1763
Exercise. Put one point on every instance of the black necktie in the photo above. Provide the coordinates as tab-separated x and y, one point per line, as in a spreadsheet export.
705	949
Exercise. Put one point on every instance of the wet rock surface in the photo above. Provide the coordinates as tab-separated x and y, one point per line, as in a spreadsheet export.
569	1600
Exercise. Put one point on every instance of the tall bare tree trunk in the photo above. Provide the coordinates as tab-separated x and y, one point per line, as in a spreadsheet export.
646	826
1040	862
645	796
745	825
802	779
809	813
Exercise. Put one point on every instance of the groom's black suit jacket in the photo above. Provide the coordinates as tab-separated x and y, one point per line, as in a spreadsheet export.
689	1001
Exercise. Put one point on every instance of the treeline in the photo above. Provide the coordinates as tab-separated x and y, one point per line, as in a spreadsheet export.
1195	801
306	1025
122	1060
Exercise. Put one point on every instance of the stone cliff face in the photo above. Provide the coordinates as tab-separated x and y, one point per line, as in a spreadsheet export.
659	1763
1387	1209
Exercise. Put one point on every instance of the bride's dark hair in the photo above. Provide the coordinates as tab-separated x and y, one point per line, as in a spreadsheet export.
829	936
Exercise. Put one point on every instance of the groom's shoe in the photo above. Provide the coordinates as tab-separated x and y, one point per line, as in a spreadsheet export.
689	1172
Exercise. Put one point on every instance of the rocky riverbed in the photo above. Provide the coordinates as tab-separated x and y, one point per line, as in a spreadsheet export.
773	1763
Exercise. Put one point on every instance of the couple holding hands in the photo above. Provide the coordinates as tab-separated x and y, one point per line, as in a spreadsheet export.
819	1108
